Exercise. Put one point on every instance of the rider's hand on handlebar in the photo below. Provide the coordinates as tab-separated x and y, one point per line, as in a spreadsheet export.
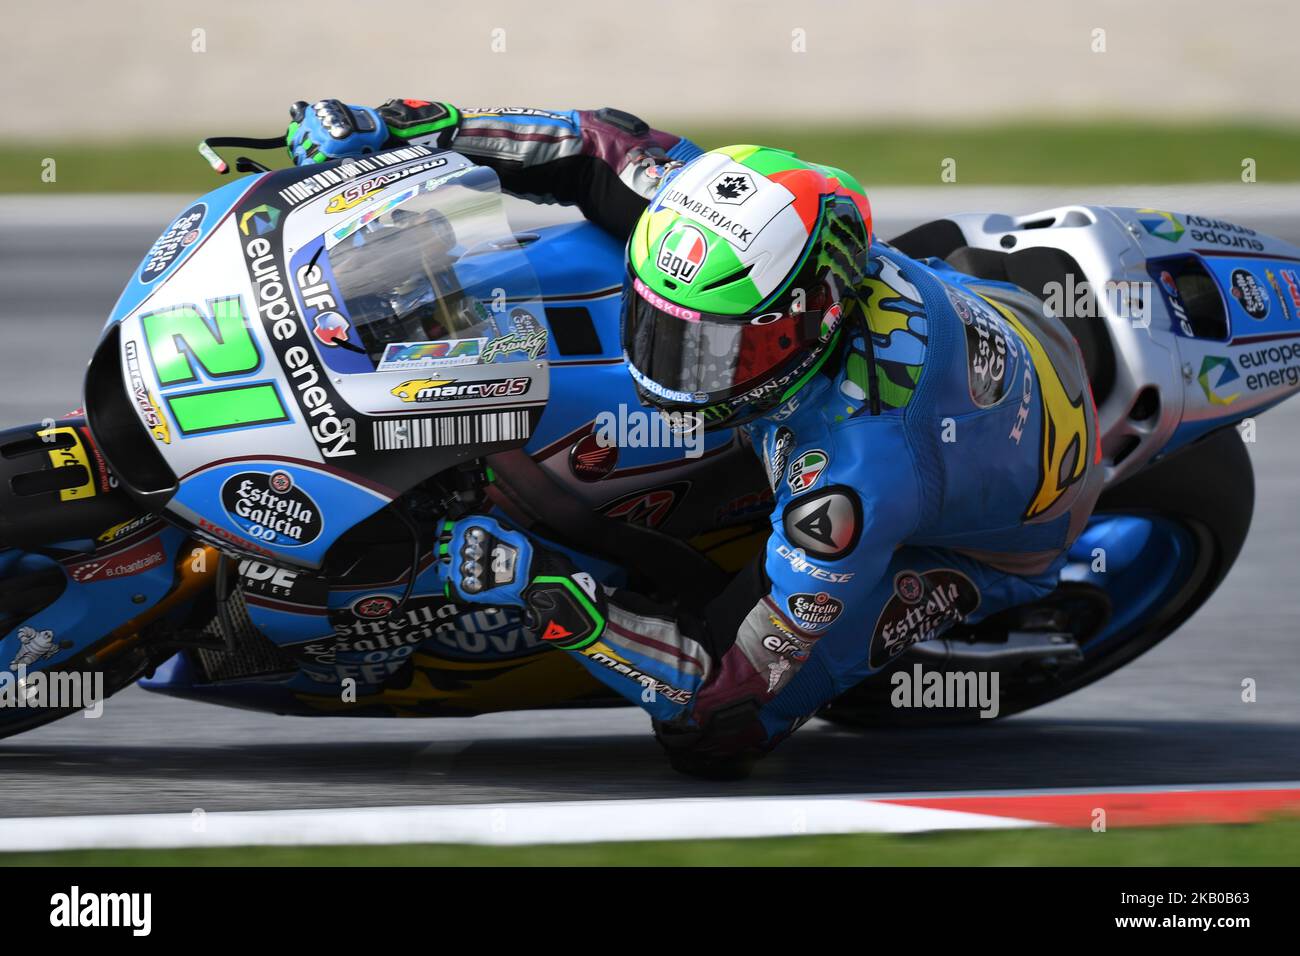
330	129
485	562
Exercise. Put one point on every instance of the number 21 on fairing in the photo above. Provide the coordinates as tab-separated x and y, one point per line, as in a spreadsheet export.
192	352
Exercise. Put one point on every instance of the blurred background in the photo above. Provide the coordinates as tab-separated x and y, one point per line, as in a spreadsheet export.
1016	91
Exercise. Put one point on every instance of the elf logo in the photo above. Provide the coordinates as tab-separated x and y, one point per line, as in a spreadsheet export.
682	252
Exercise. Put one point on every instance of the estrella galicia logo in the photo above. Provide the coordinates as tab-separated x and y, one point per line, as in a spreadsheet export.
812	611
1248	291
179	236
269	508
373	606
922	607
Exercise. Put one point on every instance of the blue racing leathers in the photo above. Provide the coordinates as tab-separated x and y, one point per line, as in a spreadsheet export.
933	471
605	161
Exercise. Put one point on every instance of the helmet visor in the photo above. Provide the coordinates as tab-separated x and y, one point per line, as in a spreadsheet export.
687	357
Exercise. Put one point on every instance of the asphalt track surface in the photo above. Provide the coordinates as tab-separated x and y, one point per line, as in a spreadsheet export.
1173	717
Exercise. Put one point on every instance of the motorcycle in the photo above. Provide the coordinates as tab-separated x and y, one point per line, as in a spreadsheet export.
240	518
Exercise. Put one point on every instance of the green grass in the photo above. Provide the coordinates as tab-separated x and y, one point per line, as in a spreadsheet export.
1266	844
1047	154
161	167
1029	153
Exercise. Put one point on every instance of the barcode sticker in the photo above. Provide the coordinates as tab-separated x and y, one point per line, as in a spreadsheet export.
470	428
305	189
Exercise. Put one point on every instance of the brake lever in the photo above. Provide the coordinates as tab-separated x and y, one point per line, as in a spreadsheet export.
207	149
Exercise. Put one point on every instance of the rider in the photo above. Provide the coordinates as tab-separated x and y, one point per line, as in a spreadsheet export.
929	437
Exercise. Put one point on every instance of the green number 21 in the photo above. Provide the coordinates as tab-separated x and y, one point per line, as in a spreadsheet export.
188	348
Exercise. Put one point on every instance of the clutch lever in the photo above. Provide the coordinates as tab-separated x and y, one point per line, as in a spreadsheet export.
207	149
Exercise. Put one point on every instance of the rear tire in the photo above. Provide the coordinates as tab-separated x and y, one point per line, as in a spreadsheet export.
1206	488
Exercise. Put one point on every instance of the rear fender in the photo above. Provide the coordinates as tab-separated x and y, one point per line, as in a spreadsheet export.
1194	323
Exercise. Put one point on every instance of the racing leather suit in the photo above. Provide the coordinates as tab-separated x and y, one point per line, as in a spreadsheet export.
934	471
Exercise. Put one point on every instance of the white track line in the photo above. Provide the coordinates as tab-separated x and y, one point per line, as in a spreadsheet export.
595	821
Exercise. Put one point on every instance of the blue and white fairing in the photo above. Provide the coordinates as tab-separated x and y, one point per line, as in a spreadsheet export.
1199	318
299	348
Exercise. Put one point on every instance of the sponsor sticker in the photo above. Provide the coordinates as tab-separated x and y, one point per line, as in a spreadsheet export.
922	606
120	531
826	524
334	434
806	469
589	460
374	606
782	443
662	304
1292	282
269	508
145	400
259	220
1170	287
1276	286
989	345
682	252
406	356
348	176
179	236
134	560
1161	224
813	611
77	454
369	216
34	645
532	343
1269	366
732	188
357	193
272	581
733	202
648	508
1249	293
433	390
